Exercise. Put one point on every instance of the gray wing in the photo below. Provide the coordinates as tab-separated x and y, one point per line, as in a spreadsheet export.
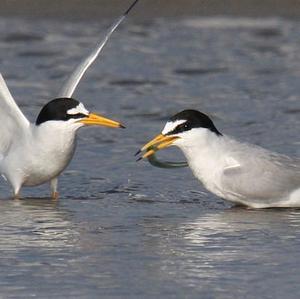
70	85
13	121
261	174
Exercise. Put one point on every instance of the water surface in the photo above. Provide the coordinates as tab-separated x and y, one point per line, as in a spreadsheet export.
123	229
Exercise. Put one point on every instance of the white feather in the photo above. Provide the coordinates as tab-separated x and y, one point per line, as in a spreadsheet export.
79	109
13	121
171	125
240	172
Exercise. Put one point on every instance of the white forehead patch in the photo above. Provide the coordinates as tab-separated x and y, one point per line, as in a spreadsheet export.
171	125
78	109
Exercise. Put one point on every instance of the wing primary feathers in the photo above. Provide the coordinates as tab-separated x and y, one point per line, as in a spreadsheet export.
13	121
130	7
69	87
8	105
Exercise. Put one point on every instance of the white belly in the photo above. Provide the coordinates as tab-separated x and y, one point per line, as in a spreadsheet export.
46	167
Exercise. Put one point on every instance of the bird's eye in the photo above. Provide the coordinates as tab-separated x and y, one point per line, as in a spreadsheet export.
183	127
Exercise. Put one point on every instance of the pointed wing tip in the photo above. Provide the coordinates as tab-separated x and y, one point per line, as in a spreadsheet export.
131	7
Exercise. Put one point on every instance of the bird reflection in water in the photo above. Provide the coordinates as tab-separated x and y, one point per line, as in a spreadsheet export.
35	223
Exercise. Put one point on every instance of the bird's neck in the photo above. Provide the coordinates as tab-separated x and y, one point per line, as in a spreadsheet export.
205	155
206	146
50	139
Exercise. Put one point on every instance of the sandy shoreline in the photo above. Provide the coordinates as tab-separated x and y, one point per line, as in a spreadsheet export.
147	9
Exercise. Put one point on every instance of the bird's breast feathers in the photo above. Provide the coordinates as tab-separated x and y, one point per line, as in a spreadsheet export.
40	156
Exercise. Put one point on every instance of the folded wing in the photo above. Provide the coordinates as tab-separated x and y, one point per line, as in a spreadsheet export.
263	175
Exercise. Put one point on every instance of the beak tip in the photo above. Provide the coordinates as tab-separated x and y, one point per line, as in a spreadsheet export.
139	159
122	126
138	152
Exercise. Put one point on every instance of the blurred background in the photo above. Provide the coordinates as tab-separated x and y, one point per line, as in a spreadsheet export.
150	8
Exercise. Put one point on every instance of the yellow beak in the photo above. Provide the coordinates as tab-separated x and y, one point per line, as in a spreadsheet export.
95	119
159	142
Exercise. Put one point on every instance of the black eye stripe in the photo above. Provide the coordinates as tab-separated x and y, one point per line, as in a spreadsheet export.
181	128
77	115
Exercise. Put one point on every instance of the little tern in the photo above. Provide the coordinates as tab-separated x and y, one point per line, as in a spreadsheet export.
35	153
241	173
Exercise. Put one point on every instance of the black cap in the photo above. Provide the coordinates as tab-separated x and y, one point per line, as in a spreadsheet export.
193	119
57	110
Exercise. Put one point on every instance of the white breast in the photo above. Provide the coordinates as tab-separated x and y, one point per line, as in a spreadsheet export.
205	155
41	155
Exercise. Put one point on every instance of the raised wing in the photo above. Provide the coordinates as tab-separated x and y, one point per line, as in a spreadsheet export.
13	121
69	87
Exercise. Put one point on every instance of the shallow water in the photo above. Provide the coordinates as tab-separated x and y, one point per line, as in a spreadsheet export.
123	229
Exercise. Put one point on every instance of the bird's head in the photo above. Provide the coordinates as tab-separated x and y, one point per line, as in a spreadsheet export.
73	113
182	129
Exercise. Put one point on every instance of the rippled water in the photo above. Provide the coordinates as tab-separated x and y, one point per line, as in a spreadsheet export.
123	229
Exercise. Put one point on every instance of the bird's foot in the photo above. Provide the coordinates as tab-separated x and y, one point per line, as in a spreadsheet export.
55	195
16	196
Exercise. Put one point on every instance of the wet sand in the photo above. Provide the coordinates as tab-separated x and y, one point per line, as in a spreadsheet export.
147	9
